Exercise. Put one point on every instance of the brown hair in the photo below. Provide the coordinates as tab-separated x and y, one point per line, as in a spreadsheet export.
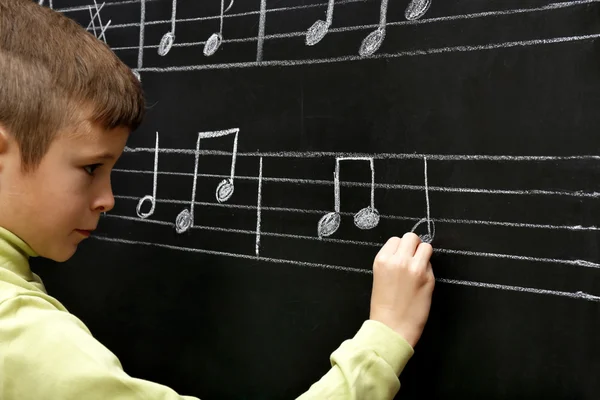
53	74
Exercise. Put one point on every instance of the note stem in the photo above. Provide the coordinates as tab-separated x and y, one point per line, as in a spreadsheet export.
372	164
427	197
258	206
222	12
261	30
197	159
330	13
174	17
151	198
142	29
336	190
234	155
383	14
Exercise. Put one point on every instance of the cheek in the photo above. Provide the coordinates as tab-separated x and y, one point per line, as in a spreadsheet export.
61	198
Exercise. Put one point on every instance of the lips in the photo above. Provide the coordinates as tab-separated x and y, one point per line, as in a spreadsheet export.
84	232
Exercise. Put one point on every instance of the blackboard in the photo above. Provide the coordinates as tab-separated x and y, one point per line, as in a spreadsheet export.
477	121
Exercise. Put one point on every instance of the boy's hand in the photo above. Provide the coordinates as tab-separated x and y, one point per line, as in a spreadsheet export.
403	284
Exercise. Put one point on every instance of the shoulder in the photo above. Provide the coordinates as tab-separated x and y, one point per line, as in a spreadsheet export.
16	292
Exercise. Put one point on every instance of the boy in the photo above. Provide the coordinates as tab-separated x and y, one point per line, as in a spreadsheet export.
67	107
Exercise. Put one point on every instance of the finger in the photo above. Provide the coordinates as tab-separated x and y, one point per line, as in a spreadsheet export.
391	246
430	270
408	245
423	253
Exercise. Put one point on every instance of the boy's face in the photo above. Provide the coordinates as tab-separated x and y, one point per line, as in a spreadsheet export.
54	207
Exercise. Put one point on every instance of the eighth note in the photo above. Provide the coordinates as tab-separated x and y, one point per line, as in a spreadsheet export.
151	198
225	189
320	28
430	235
214	41
168	38
366	218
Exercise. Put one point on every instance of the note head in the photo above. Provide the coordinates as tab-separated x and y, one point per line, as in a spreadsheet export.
329	224
367	218
426	238
416	9
224	190
183	221
372	42
316	32
166	43
141	203
212	44
430	235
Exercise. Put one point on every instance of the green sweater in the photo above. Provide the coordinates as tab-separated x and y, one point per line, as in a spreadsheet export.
47	353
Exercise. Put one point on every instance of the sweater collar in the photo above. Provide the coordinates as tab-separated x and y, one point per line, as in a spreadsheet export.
14	255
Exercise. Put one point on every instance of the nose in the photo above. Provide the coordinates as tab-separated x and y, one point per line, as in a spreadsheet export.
105	200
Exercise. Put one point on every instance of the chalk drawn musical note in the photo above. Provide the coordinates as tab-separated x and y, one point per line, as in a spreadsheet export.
214	41
151	198
168	38
416	9
320	28
366	218
225	189
185	219
374	39
430	235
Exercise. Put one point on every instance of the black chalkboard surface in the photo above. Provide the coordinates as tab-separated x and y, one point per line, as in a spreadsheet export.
280	152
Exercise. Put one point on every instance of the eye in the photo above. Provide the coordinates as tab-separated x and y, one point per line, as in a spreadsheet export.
91	168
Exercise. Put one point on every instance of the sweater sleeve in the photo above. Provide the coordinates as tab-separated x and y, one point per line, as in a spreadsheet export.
365	367
50	354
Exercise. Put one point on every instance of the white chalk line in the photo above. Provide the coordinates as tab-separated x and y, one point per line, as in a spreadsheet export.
232	15
395	186
142	32
427	205
422	21
258	206
573	295
376	56
261	30
108	3
579	263
459	17
383	216
375	156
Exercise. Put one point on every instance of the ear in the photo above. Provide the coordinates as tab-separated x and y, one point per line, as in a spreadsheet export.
4	140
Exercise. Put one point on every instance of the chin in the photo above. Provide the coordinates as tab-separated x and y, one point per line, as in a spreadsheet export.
62	255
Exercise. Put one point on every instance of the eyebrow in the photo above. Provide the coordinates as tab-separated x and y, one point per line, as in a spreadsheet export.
105	156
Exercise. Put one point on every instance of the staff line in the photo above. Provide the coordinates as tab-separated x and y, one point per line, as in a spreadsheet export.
376	56
580	263
375	156
233	15
108	3
422	21
395	186
573	295
289	35
383	216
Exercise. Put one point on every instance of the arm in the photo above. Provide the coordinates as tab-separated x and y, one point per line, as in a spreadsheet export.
50	354
367	367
